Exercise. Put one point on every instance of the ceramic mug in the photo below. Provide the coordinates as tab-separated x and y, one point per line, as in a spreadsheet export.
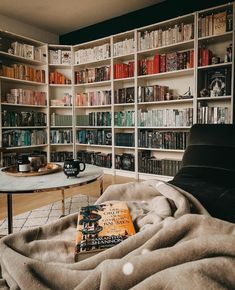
73	167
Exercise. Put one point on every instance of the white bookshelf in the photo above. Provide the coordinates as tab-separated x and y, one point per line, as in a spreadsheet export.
101	75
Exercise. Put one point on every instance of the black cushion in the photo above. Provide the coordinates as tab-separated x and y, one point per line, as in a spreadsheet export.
208	168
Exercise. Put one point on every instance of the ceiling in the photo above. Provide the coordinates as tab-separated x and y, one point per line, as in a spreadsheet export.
63	16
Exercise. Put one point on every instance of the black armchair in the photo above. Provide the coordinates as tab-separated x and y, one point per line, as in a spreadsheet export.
208	168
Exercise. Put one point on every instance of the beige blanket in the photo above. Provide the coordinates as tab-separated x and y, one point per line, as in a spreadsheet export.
178	246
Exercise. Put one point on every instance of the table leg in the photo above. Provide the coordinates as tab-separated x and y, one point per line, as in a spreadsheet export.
9	213
63	203
101	185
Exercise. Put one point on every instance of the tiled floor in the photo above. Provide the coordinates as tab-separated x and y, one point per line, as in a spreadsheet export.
46	214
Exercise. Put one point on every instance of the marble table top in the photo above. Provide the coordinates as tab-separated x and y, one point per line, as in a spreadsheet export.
57	180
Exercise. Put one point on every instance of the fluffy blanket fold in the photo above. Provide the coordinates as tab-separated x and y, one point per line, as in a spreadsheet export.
178	246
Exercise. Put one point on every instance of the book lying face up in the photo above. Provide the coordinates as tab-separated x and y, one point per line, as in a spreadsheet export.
102	226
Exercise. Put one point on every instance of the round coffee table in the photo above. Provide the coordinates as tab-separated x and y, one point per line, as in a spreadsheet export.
10	185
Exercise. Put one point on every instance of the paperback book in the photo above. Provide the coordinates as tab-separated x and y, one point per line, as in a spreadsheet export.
101	227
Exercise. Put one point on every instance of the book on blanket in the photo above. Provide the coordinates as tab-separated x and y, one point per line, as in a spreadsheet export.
102	226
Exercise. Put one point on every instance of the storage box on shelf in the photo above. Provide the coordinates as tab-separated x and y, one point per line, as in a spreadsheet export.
60	102
215	72
24	96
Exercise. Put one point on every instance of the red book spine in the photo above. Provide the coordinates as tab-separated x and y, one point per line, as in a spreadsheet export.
156	62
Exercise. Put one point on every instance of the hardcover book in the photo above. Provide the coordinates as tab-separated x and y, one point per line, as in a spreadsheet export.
219	23
102	226
218	82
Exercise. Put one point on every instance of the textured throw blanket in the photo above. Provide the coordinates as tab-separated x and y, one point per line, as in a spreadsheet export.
177	246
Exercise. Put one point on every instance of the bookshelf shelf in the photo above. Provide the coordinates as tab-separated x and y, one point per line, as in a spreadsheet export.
25	147
13	80
94	84
23	105
216	38
212	66
61	107
169	74
101	62
94	145
167	102
61	85
24	127
21	59
95	127
61	144
218	98
161	149
183	45
93	107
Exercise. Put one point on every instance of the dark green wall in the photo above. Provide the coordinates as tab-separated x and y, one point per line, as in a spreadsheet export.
153	14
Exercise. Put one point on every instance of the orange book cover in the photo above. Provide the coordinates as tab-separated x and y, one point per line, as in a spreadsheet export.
102	226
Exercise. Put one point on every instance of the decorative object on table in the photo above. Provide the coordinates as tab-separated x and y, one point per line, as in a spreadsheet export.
47	169
73	167
23	163
37	162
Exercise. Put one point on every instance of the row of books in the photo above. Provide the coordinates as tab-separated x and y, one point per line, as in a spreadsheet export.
124	47
125	161
94	119
123	70
207	57
10	158
56	77
163	37
163	139
216	23
95	158
96	136
165	117
166	62
91	75
60	120
65	101
23	72
60	156
21	119
150	164
96	53
124	95
124	118
25	97
125	139
60	56
28	51
18	138
62	136
153	93
212	115
95	98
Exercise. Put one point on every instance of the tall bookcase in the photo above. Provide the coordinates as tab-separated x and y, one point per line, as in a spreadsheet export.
60	107
24	96
126	102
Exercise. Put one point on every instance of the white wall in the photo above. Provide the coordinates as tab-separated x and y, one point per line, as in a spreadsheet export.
24	29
